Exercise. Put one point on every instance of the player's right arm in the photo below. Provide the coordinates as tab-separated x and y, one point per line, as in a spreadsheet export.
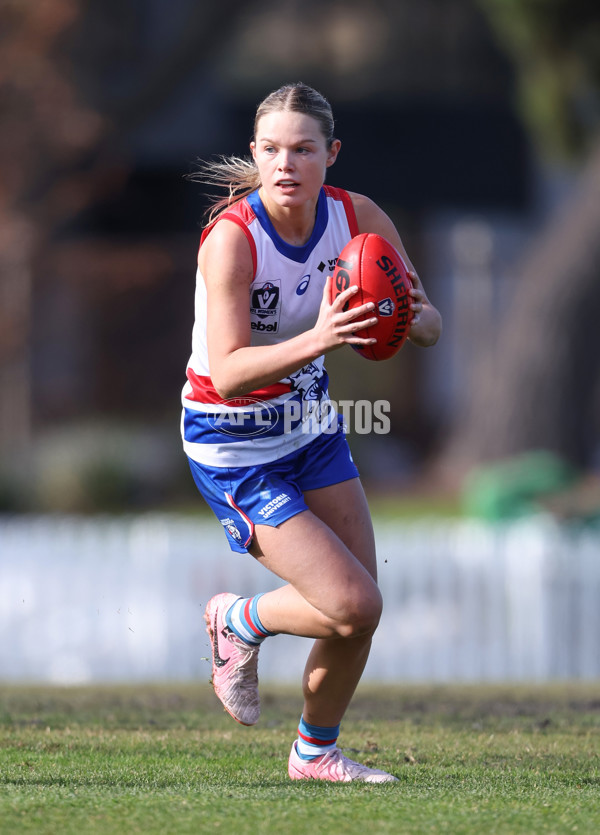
236	367
426	325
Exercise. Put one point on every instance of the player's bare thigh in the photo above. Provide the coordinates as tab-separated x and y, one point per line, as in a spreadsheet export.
343	507
307	552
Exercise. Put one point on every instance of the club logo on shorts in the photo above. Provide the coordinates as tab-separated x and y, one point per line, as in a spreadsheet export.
265	306
385	307
231	528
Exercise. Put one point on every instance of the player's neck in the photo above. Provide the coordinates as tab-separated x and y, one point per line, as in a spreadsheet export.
293	224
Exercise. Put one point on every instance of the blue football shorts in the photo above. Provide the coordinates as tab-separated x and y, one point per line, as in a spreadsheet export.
268	494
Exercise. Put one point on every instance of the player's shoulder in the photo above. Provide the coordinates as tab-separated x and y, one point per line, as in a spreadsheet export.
369	216
227	243
364	207
360	200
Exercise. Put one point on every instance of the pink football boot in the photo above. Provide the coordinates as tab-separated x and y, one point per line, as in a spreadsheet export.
234	664
336	768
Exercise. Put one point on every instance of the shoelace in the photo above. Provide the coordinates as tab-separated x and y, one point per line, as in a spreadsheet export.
335	761
248	655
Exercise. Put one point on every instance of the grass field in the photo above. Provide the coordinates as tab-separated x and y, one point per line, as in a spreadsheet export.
166	759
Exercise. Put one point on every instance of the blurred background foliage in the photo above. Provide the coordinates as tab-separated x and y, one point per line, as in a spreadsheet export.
475	124
555	48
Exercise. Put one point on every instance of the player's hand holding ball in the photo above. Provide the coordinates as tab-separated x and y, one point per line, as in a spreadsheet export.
371	264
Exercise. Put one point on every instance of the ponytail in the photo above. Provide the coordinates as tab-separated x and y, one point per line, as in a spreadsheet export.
237	176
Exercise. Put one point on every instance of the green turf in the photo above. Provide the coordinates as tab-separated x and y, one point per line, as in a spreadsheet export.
168	760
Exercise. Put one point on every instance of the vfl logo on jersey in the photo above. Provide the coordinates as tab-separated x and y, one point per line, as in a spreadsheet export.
303	286
385	307
265	304
265	300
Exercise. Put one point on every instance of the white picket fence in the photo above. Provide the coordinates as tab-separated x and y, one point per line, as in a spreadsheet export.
121	599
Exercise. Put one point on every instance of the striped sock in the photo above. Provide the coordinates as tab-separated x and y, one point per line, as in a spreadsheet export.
242	618
313	740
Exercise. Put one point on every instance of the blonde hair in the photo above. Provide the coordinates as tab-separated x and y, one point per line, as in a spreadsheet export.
238	176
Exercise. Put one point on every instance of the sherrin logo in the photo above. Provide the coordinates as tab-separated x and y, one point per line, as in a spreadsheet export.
244	417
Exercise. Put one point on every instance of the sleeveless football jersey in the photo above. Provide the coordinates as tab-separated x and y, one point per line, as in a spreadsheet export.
285	297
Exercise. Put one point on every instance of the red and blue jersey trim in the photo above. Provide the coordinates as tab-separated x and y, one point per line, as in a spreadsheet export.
203	391
242	214
340	194
251	208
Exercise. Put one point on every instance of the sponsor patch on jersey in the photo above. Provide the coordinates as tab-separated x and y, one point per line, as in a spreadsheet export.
265	307
329	266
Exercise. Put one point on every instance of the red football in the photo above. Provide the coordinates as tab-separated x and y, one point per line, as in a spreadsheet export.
372	263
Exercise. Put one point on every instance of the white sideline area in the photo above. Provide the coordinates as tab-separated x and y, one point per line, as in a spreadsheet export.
103	599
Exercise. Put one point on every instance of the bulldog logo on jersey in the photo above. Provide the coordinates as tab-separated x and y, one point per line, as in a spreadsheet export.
311	381
265	306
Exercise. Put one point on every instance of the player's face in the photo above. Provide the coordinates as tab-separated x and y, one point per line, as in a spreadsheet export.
292	155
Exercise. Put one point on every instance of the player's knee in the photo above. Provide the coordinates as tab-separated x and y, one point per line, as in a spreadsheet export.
362	614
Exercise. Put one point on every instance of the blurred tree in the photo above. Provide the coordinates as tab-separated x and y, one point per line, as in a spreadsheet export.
44	140
555	45
537	382
74	76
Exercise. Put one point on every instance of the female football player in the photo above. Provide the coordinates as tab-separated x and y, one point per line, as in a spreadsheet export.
266	451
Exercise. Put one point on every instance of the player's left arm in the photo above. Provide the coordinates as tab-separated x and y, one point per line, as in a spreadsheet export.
426	325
